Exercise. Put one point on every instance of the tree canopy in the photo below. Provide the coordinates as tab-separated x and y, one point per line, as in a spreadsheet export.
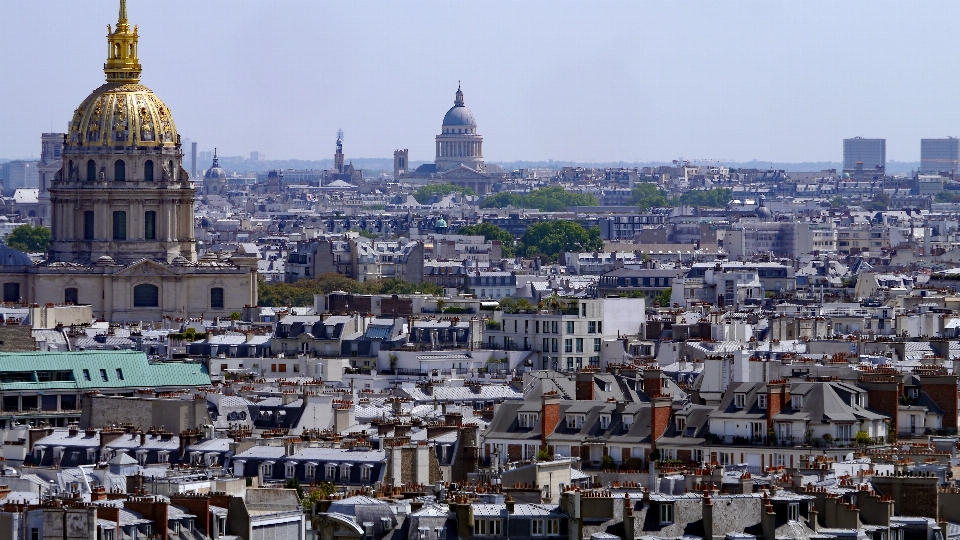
425	193
489	231
551	238
647	195
715	197
29	238
548	199
300	293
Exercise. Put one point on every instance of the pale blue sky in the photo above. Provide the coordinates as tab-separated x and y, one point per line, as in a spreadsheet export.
598	81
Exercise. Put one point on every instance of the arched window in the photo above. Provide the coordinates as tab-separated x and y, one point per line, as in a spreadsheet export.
216	298
11	292
170	170
120	171
146	295
91	171
116	50
148	171
71	296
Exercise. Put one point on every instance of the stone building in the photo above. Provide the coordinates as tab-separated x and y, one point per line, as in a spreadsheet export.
122	221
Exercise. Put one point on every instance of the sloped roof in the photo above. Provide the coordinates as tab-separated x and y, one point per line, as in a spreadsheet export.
100	369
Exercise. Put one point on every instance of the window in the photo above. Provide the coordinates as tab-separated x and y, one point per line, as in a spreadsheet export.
627	421
604	421
365	473
266	468
538	527
554	325
103	375
88	225
793	512
11	292
146	295
568	345
569	327
216	298
681	423
740	400
583	310
844	432
546	345
592	327
553	345
762	401
70	296
345	471
580	344
331	471
526	420
290	469
150	225
596	344
86	374
310	470
148	171
487	527
120	225
119	374
574	421
120	171
666	513
796	402
91	171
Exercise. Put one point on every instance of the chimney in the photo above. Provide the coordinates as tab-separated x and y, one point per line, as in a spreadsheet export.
509	503
551	416
652	381
585	386
775	403
661	409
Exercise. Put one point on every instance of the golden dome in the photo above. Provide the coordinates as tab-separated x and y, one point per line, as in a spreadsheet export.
122	112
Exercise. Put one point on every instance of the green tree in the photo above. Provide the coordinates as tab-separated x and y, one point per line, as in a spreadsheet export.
29	238
425	193
862	438
838	202
880	202
663	297
543	455
713	198
364	233
515	305
293	483
647	195
550	238
607	463
300	293
235	316
489	232
548	199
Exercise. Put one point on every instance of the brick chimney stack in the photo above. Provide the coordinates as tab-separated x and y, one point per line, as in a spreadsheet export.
585	386
652	381
551	416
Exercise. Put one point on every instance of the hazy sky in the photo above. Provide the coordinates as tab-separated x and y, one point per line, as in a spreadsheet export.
631	81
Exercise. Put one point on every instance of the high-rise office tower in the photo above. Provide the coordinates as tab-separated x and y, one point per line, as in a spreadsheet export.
871	152
938	155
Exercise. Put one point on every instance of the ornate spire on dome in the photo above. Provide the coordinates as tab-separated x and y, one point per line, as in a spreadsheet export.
122	64
216	162
459	101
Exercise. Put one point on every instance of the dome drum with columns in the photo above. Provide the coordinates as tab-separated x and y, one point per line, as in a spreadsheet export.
458	142
122	222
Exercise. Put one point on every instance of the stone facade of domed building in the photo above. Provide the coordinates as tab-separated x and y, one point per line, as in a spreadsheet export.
122	222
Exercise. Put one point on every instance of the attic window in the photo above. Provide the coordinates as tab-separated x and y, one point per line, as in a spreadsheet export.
762	401
796	402
604	421
627	422
793	512
666	513
739	400
681	423
103	375
574	421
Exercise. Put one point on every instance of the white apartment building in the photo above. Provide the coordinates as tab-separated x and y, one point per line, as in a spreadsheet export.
576	334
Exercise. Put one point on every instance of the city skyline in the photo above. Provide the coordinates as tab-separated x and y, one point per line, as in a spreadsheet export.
633	82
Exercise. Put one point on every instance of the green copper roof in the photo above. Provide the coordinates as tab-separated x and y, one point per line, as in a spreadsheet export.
89	370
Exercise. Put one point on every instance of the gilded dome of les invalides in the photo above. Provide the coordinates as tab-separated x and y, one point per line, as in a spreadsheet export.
122	112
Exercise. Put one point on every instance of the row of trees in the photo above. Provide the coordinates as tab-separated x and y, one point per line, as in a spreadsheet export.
425	193
648	195
548	199
545	240
300	293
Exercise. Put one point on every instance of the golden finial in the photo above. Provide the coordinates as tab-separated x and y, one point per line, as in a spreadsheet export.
123	11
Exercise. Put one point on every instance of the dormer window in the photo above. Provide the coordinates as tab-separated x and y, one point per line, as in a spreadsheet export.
793	512
666	513
604	421
627	422
575	421
762	401
739	400
526	420
681	423
796	402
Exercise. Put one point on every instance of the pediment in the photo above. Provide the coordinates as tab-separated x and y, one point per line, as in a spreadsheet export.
462	171
147	267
